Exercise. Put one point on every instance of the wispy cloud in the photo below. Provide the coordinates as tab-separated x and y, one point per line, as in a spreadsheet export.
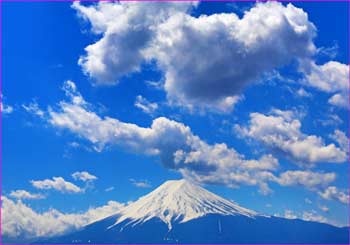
141	183
146	106
108	189
33	108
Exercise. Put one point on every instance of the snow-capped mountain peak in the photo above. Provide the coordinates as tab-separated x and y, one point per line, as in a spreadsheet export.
180	201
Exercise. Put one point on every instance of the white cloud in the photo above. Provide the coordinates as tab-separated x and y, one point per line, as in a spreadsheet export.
74	144
308	179
140	183
333	193
84	176
342	140
303	93
6	109
22	194
33	108
108	189
280	131
20	221
145	105
57	183
128	29
324	208
155	84
268	36
340	100
308	201
331	77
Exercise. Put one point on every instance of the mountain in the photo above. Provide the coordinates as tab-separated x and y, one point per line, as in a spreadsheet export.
178	202
182	212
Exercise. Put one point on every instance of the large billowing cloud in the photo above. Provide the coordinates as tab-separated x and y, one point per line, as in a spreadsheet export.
21	223
179	148
206	60
127	29
281	132
212	58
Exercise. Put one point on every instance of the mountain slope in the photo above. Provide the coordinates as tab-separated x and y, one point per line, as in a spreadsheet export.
182	212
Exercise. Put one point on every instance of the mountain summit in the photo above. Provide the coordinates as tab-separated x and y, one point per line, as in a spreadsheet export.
183	212
179	201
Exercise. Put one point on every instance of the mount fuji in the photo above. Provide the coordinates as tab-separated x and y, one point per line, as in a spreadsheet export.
183	212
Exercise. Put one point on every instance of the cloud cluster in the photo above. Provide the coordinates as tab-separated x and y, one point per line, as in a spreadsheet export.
206	74
180	149
56	183
22	194
333	193
280	131
174	142
23	223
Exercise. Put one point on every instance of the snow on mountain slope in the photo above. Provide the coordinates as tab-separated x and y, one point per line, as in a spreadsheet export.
180	201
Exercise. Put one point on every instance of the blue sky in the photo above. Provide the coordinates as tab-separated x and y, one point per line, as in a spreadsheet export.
252	103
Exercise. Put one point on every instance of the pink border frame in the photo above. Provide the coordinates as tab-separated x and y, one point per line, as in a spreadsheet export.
315	1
